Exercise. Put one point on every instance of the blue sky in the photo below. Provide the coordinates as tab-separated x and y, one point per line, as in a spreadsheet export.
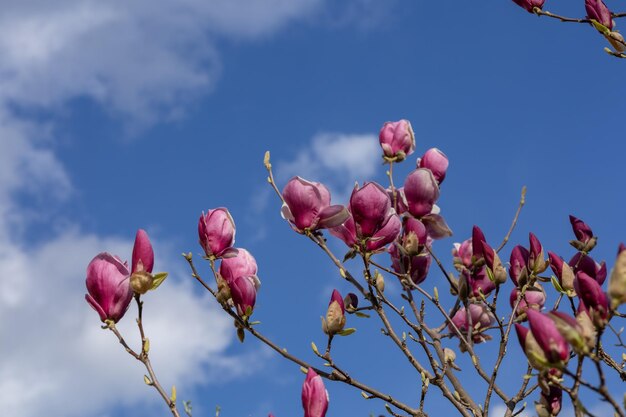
115	117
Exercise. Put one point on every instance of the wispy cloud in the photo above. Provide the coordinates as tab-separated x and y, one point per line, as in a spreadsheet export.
335	159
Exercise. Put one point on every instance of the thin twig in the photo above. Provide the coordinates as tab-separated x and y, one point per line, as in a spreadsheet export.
522	201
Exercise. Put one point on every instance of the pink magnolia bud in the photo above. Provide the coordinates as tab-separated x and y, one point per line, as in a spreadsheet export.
553	344
519	261
592	299
462	255
477	238
143	256
243	292
532	350
571	330
108	287
597	10
216	231
564	273
373	215
534	297
529	5
421	192
536	261
581	230
335	315
478	282
416	267
585	263
414	236
314	395
241	265
549	404
617	282
436	161
307	206
397	140
480	317
493	262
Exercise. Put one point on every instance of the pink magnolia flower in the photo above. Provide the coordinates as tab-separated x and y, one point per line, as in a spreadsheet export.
529	5
371	219
397	140
307	206
216	231
242	264
314	395
108	287
436	161
421	191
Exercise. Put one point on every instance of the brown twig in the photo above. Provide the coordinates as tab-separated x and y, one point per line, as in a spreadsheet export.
522	201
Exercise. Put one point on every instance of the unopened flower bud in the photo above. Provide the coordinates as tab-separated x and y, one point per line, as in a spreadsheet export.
314	395
617	282
335	315
549	404
585	241
519	261
380	282
529	5
597	10
243	292
216	232
592	299
437	162
536	261
534	297
494	264
552	343
397	140
617	41
421	192
143	255
571	330
351	301
479	316
564	273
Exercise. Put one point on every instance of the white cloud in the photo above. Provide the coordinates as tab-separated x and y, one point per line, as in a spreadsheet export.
139	59
56	358
337	160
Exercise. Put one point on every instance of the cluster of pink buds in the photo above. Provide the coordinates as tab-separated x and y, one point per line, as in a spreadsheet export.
111	285
237	278
602	19
474	320
480	268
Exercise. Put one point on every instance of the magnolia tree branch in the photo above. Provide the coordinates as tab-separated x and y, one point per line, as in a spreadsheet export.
336	375
142	356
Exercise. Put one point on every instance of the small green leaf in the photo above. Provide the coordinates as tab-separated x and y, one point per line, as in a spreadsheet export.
347	332
557	285
314	347
254	323
147	380
600	27
173	396
158	279
490	275
146	345
436	292
362	315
